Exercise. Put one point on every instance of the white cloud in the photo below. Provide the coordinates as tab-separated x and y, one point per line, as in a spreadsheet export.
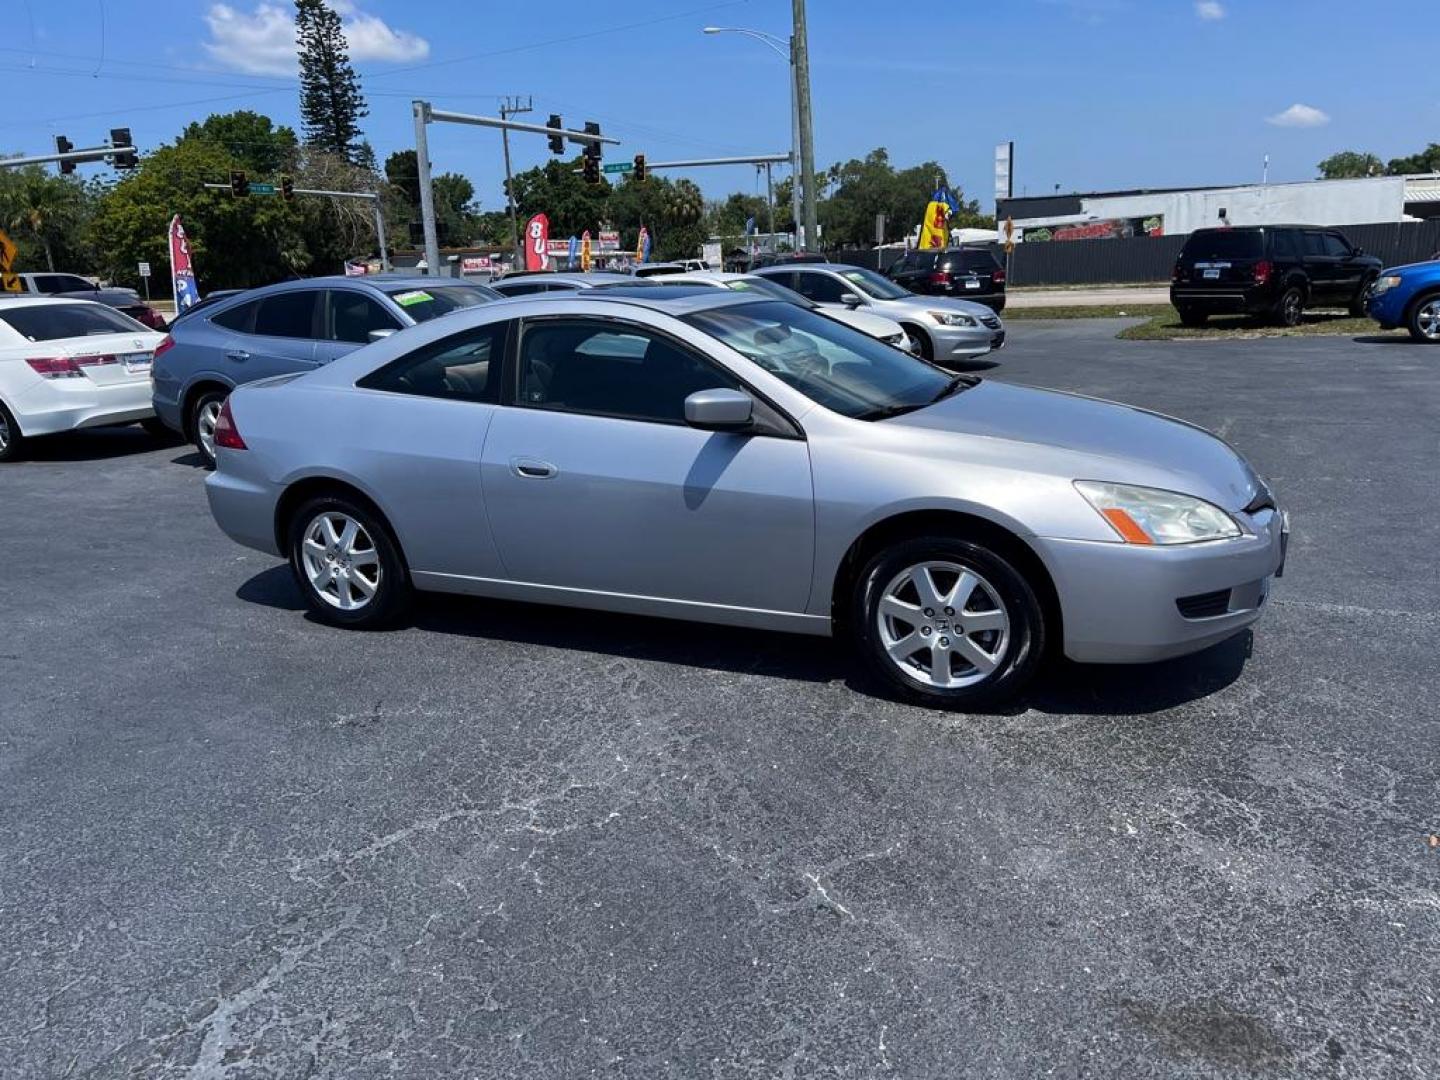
262	41
1209	10
1299	116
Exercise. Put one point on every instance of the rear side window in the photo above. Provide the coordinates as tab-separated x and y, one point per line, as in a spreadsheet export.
462	367
1315	244
287	314
1336	246
240	318
1284	244
353	315
1225	244
52	322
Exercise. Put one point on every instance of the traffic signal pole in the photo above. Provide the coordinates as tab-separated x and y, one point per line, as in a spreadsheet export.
426	114
95	153
373	197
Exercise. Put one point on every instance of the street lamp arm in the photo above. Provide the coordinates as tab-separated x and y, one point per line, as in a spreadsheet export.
780	45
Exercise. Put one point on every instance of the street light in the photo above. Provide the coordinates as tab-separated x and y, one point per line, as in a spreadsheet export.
783	47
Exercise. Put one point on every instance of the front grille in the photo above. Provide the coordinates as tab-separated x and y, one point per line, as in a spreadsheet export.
1205	605
991	321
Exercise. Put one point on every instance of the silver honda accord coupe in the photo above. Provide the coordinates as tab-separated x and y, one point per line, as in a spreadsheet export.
734	459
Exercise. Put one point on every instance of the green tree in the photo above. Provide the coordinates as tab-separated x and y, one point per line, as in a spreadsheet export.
558	191
728	217
43	212
454	197
257	144
1427	161
331	104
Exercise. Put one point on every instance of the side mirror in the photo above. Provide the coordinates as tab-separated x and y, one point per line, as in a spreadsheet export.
380	335
851	300
719	410
1358	251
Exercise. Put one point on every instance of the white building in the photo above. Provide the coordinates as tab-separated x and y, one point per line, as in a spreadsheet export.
1175	212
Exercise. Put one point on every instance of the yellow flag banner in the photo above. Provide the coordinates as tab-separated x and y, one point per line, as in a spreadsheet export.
933	233
9	281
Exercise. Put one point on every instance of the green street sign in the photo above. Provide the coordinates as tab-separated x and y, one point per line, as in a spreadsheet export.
262	189
620	167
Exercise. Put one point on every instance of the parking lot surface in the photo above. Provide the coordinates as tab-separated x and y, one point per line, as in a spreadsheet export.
523	841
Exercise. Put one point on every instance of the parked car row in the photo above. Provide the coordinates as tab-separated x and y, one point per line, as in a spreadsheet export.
75	287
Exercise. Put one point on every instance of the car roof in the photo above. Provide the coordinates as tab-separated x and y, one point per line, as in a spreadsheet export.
788	267
31	300
566	276
667	300
639	291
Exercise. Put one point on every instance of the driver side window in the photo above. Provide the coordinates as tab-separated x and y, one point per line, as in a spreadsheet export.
462	367
822	288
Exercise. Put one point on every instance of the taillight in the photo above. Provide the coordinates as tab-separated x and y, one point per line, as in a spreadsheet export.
997	276
939	277
1262	271
226	433
54	367
1178	274
166	344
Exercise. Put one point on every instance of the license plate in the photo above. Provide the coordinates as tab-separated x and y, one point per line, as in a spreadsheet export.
1212	275
972	283
137	362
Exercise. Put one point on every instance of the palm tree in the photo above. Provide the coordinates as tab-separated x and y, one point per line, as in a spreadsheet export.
41	205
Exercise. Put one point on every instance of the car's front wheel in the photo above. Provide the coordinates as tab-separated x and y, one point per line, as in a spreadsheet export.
346	563
11	441
948	622
1424	320
204	414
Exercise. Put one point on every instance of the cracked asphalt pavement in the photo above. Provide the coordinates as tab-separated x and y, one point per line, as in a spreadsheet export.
519	841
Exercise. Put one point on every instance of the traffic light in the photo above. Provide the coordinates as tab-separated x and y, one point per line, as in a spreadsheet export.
591	168
592	148
287	188
64	146
641	172
557	141
239	184
127	160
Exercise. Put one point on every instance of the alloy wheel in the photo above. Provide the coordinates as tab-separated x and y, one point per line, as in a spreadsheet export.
340	561
943	625
1291	310
1427	319
205	421
4	433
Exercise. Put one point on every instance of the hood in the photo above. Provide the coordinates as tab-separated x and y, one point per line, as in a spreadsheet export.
940	303
1089	439
1429	265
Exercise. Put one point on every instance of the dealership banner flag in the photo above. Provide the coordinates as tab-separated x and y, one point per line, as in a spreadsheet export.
9	280
642	246
573	254
585	251
182	273
933	233
537	237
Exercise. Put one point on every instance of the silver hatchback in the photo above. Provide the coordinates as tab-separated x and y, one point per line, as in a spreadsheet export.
736	459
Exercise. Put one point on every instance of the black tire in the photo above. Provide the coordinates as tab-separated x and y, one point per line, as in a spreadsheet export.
158	429
1413	319
200	424
1357	304
1189	316
1290	308
392	590
922	341
1018	650
12	442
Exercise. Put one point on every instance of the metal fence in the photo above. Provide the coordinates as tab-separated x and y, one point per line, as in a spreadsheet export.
1143	259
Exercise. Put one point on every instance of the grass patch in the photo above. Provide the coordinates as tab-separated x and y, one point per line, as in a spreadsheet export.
1090	311
1165	326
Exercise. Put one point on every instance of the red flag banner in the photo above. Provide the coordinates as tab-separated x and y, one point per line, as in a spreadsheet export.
537	235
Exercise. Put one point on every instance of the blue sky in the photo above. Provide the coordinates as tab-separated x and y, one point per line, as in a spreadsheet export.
1096	93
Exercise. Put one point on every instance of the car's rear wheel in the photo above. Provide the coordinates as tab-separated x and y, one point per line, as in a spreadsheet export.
1424	321
346	563
1290	308
204	413
944	621
1190	316
11	441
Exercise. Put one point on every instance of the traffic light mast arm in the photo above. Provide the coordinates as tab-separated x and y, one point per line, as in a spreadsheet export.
445	116
98	153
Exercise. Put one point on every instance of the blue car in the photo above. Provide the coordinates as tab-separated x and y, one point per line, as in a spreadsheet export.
1408	296
292	327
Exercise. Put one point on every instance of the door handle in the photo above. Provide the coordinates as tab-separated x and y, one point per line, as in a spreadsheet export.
237	354
533	468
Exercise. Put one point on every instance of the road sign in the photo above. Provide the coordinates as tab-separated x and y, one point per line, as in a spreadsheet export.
144	269
619	167
262	189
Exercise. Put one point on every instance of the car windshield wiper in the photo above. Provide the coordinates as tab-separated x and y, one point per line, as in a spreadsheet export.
956	384
884	412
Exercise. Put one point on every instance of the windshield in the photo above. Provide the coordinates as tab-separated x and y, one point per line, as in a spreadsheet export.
53	322
756	283
872	284
425	304
841	369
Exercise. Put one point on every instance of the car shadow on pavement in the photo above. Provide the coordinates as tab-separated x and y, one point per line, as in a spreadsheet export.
1069	688
91	444
1383	339
194	459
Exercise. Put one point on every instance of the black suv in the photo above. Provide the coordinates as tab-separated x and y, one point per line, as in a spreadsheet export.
1270	271
969	273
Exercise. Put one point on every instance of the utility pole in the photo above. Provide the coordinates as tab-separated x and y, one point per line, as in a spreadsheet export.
770	201
427	197
800	48
511	107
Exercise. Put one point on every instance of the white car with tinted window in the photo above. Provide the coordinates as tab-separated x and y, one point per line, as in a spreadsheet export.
67	364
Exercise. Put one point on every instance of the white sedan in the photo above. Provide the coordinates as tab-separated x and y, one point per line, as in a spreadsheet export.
67	364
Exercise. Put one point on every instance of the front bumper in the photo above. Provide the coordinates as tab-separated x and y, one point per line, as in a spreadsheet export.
964	342
55	405
1388	308
1120	602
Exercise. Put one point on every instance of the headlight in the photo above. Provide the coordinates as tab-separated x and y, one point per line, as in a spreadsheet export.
1384	284
951	318
1144	515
